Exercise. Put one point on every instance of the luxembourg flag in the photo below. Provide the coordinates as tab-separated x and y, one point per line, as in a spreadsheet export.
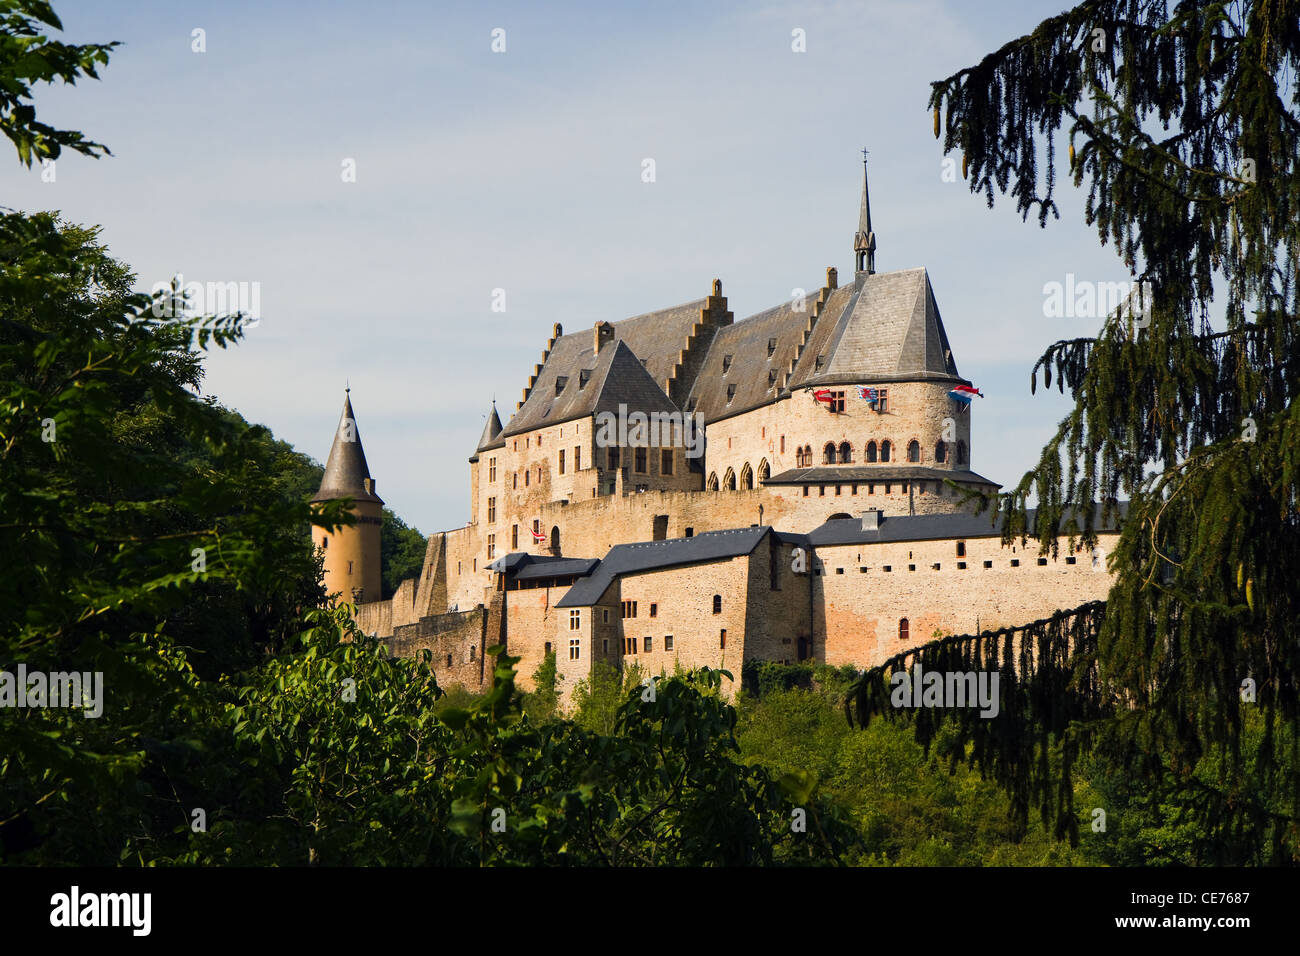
868	394
823	395
964	393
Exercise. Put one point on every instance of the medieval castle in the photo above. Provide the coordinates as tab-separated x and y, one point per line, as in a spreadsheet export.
681	488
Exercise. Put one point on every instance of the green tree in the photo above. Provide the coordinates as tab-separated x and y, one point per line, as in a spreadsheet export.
1183	125
401	552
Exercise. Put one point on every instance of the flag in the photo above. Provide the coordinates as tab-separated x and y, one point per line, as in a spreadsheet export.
964	393
868	393
539	535
823	395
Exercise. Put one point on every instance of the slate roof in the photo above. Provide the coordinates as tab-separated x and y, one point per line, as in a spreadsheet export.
653	555
346	470
893	332
613	375
522	566
742	348
923	528
830	474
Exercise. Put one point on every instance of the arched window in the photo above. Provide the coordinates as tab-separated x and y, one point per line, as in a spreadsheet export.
764	470
940	452
747	477
555	540
839	514
961	453
914	450
717	604
871	451
885	448
846	453
713	481
902	629
828	453
729	480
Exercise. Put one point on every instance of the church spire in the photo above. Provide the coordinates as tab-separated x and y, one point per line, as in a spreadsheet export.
864	241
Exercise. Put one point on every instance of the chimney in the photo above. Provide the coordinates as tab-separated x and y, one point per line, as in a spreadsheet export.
871	520
604	335
832	278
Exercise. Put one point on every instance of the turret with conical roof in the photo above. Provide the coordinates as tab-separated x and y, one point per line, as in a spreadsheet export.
491	429
352	563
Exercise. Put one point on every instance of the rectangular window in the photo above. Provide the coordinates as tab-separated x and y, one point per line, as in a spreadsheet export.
613	459
668	642
514	537
837	401
882	400
629	608
349	567
783	444
492	546
492	510
649	644
575	620
575	649
604	646
629	645
722	639
561	461
577	459
805	491
492	469
961	549
654	610
640	461
604	615
666	462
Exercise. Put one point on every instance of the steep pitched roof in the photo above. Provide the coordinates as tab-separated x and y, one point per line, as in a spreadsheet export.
346	472
893	332
653	555
738	357
579	382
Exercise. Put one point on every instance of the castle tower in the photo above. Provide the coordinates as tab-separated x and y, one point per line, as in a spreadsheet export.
351	553
864	240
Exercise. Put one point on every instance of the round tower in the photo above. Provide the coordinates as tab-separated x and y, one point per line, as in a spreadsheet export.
351	553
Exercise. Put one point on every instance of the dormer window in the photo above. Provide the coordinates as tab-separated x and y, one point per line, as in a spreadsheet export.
726	363
643	365
690	405
817	366
560	382
771	347
583	378
731	393
771	377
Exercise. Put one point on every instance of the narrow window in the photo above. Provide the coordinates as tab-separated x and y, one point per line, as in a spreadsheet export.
604	615
668	642
885	449
654	610
574	649
492	546
492	469
641	461
561	461
449	660
649	644
613	458
575	620
514	537
722	638
871	452
577	459
902	629
349	567
961	549
717	604
666	462
492	510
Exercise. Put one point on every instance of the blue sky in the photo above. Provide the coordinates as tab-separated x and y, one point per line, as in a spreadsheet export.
522	171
